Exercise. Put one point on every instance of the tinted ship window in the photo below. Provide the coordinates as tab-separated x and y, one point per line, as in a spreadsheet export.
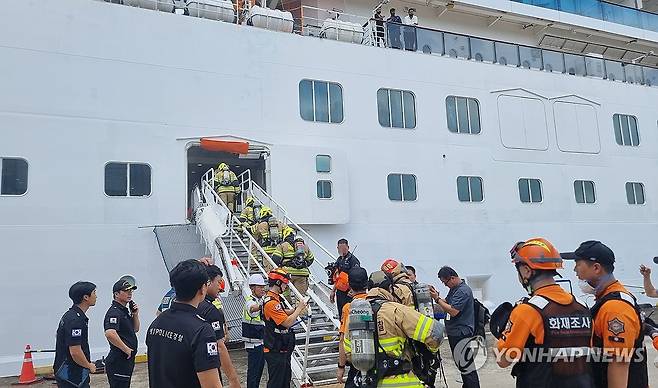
584	191
401	187
320	101
463	115
635	193
396	108
323	163
127	179
626	132
530	190
469	189
324	189
13	176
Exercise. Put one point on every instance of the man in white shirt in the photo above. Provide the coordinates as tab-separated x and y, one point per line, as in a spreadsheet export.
410	20
252	331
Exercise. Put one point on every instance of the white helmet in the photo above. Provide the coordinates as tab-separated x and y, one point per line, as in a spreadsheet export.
256	280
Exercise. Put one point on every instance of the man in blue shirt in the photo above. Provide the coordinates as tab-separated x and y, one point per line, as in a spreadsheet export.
393	25
460	322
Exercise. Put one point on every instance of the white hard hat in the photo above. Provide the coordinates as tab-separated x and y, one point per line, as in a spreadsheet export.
256	280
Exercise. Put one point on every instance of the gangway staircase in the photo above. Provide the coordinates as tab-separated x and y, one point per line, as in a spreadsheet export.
316	352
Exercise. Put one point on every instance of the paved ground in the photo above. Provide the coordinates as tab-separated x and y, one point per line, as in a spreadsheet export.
490	374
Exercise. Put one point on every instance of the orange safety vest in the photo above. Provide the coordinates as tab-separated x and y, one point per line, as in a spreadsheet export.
341	280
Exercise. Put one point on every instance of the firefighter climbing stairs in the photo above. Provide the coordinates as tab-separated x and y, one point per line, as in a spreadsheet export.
316	352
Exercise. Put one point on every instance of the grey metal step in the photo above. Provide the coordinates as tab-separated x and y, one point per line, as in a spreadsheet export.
321	368
319	383
318	334
323	356
327	344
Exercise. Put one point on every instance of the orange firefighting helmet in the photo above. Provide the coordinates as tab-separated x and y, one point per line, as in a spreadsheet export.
279	274
536	253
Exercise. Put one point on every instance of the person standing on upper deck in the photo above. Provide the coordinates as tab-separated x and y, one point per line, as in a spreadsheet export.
410	22
379	28
393	26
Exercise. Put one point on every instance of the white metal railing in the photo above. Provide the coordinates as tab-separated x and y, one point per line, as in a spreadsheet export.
300	362
219	253
280	213
312	21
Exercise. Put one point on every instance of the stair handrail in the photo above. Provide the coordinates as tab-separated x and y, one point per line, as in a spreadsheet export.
218	200
288	221
232	222
211	197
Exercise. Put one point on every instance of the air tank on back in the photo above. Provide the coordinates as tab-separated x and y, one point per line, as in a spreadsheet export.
361	328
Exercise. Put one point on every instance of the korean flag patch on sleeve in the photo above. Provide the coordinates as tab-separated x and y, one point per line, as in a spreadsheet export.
217	325
212	348
113	320
76	332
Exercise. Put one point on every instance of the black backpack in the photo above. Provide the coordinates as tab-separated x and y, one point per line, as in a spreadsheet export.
482	317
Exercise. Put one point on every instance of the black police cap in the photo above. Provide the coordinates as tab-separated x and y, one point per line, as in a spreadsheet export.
592	250
123	285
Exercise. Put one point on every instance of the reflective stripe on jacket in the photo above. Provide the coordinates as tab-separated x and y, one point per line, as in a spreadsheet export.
396	324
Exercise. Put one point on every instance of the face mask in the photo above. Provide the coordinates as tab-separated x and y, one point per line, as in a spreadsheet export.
586	288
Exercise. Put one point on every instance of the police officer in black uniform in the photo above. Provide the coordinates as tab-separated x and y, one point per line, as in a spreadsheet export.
182	347
72	358
208	310
121	323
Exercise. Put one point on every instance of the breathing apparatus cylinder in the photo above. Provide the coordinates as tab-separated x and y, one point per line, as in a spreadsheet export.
361	328
298	261
275	235
256	212
226	178
423	300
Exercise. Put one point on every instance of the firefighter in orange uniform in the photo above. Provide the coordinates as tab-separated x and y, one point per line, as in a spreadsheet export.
278	338
546	336
617	331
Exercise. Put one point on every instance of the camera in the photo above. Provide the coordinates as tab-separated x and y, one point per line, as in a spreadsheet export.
330	269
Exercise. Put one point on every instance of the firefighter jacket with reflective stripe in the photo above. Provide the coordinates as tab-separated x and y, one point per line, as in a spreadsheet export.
294	265
252	326
276	338
262	232
396	324
561	361
247	216
403	290
226	182
637	371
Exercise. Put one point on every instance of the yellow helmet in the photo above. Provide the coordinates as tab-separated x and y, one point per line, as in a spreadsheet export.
264	212
249	201
222	167
287	231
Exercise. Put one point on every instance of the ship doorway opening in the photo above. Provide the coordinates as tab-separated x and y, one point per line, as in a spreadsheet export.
200	160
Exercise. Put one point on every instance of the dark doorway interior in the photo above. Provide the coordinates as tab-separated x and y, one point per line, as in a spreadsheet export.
199	161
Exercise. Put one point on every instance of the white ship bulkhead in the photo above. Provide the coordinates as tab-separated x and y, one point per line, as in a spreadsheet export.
85	83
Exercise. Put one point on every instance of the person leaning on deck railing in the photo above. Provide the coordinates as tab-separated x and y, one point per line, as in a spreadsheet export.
410	22
393	27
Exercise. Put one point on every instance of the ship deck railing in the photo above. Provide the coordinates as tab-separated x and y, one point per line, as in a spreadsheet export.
610	63
601	10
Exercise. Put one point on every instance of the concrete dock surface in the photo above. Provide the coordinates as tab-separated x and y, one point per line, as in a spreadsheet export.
491	376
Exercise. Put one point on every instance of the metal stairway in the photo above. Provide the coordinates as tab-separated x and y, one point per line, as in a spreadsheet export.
316	353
